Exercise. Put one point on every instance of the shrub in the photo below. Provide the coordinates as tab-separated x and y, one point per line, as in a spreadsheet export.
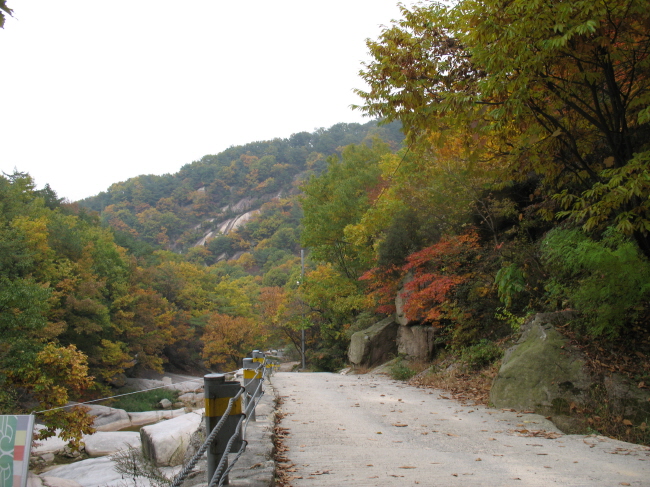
606	280
481	354
400	370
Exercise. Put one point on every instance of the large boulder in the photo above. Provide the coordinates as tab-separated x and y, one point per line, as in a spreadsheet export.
374	345
97	472
192	399
542	371
34	480
88	473
106	443
149	417
165	443
187	386
53	444
416	341
109	419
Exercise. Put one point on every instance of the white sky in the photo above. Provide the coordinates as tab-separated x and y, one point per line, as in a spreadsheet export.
96	92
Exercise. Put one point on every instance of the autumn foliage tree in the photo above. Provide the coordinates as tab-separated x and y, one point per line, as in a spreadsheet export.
228	339
430	277
560	90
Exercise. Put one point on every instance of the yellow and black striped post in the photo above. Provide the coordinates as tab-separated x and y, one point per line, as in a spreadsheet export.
258	356
252	378
218	393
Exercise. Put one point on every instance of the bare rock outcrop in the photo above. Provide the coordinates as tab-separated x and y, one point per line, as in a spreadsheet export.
374	345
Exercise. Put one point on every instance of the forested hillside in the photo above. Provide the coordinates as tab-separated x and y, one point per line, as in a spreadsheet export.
175	211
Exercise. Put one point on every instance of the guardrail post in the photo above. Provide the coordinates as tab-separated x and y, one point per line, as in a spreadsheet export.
252	377
259	358
218	392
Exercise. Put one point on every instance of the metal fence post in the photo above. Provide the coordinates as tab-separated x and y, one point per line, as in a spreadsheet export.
259	358
218	392
252	377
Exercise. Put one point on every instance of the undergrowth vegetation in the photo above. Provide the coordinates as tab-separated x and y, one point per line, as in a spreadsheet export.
139	401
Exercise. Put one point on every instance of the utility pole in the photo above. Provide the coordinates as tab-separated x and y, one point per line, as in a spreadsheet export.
302	279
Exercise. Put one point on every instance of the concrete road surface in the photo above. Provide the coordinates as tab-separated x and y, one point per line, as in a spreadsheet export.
369	430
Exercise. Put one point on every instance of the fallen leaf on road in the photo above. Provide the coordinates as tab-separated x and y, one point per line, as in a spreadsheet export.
478	460
407	466
324	472
400	425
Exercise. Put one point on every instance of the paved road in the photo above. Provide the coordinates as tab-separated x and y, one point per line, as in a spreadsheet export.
369	430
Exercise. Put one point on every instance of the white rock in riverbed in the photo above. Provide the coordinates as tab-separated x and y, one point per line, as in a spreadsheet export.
109	419
98	472
106	443
149	417
34	480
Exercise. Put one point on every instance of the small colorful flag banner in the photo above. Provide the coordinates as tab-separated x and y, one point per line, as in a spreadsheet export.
15	445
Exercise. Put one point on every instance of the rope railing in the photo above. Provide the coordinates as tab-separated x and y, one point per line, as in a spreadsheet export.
208	441
233	418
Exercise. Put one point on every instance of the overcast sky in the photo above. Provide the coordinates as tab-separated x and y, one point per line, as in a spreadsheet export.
96	92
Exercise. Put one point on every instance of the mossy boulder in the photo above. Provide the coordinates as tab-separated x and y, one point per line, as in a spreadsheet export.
542	372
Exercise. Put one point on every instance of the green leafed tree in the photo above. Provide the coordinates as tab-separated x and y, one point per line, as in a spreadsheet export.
338	198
